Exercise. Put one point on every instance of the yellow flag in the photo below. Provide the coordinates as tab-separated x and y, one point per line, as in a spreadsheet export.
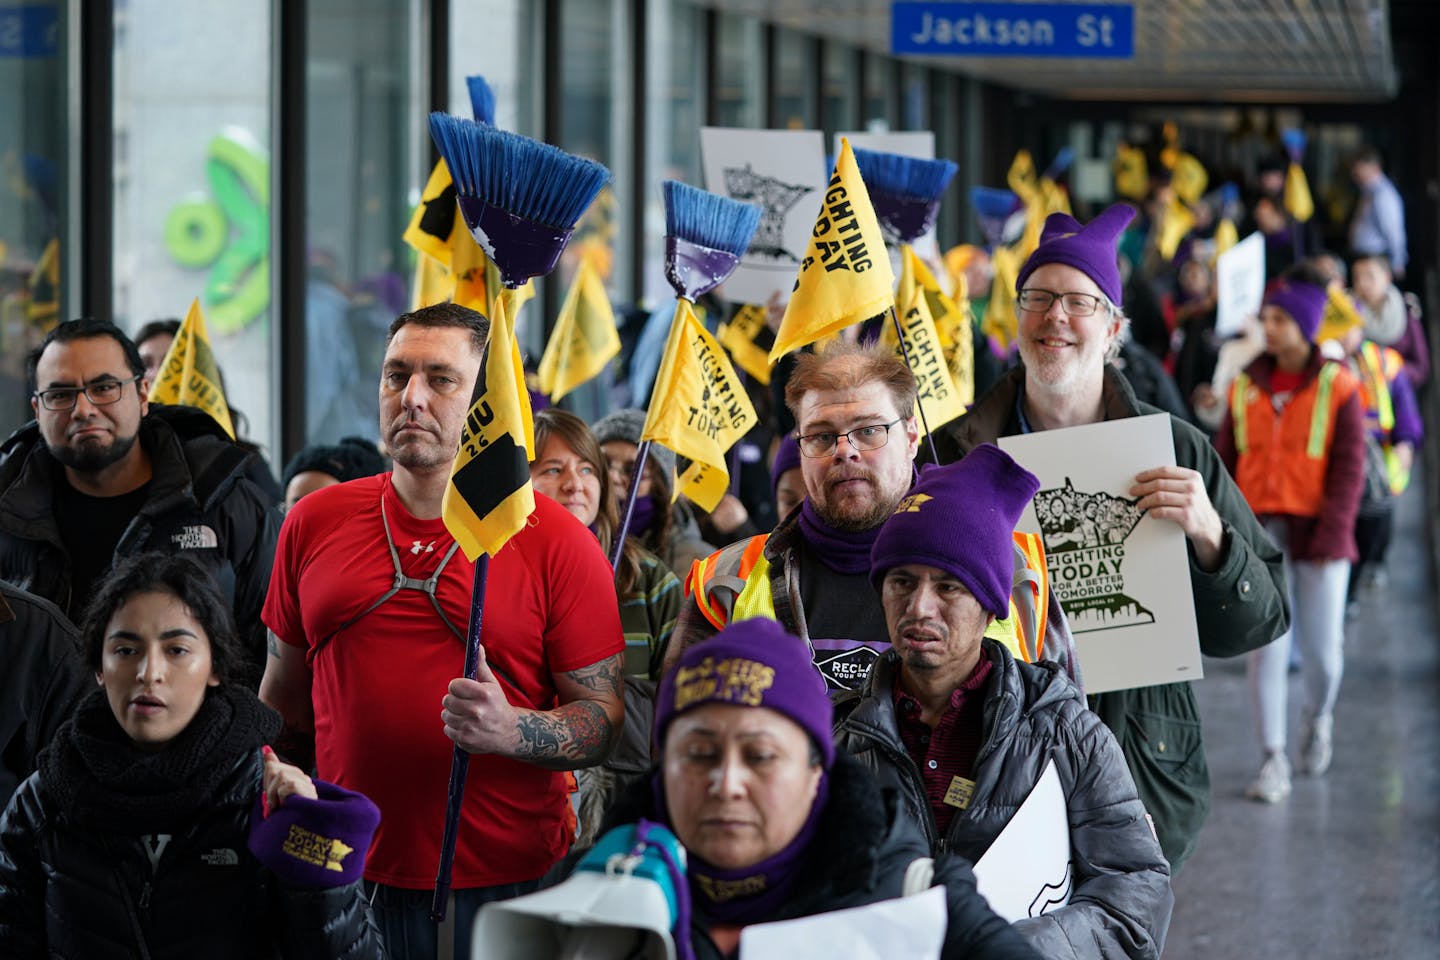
435	221
1132	177
845	276
1189	178
1021	176
433	283
699	407
489	495
1340	315
584	338
999	322
1226	236
189	373
749	338
1175	225
1298	202
939	398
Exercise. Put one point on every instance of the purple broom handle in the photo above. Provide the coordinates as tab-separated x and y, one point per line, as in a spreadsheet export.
618	546
920	407
460	759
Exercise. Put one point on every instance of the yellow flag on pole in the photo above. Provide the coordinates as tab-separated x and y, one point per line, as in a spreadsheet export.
489	495
1132	176
189	373
584	338
938	396
749	338
1175	225
435	220
1297	199
1226	236
999	322
699	407
1189	178
1340	316
845	276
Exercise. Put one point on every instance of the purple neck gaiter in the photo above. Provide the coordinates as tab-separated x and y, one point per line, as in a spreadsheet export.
750	894
843	551
642	516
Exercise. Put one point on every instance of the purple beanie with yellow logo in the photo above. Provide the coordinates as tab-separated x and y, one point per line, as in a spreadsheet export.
751	663
959	518
315	843
1091	248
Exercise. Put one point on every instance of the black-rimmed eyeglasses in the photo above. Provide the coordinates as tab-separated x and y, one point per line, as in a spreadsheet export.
871	437
101	393
1035	300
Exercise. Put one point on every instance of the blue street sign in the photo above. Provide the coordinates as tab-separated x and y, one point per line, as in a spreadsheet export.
1013	29
29	31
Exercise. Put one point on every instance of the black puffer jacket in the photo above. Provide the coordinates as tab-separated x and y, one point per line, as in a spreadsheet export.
200	502
41	679
75	883
1121	901
859	856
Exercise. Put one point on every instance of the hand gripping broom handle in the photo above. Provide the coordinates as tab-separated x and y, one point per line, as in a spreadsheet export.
618	547
460	759
919	407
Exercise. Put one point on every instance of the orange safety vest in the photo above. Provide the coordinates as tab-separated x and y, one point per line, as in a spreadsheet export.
1023	632
1284	455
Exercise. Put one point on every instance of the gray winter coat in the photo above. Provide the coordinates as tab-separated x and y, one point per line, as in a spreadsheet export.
1121	899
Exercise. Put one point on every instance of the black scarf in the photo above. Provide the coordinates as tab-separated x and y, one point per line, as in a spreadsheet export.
99	777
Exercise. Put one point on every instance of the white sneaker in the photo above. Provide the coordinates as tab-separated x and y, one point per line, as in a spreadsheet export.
1316	753
1273	783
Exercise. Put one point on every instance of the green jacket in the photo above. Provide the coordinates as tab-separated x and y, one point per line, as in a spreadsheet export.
1239	607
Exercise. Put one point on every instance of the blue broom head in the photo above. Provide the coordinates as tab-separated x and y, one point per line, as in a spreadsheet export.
1064	158
705	236
994	208
520	198
1294	141
905	191
482	99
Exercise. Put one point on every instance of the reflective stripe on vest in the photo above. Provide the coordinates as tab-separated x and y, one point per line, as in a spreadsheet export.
697	584
1372	368
1320	414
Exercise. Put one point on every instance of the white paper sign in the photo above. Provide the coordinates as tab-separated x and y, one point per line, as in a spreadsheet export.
784	172
1026	872
907	928
907	143
1239	285
1122	578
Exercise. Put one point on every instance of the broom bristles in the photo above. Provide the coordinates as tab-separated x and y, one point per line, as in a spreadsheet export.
482	99
897	175
526	178
709	219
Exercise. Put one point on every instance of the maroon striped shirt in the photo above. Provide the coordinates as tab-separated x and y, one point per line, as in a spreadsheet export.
948	749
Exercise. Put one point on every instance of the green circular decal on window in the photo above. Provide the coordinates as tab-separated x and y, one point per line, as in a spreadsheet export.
196	231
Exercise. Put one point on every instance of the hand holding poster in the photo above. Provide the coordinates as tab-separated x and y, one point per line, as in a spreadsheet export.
1239	285
1122	578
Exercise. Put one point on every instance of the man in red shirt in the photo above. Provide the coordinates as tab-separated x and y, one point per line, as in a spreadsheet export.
367	611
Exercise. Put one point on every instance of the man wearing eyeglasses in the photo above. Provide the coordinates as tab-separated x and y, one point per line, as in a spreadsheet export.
1070	325
854	409
97	476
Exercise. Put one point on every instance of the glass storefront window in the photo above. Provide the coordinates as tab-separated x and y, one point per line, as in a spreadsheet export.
879	84
739	73
838	96
675	104
366	144
192	211
915	97
32	158
794	80
507	59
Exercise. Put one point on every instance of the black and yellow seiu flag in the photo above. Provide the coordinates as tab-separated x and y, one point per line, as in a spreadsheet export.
489	495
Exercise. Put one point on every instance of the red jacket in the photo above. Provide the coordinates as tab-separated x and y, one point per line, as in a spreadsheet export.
1318	495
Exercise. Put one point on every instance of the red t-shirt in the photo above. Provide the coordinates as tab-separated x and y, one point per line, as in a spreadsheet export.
376	686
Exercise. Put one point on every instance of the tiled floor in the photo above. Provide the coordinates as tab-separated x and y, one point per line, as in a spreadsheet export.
1349	867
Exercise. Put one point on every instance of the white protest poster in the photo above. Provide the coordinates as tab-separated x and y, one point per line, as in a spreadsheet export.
1239	285
907	928
783	171
1026	872
907	143
1122	578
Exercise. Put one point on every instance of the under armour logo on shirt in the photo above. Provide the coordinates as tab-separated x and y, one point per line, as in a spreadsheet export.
417	549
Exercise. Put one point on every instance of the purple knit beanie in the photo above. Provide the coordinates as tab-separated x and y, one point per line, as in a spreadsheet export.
751	663
1091	249
959	518
315	843
1305	302
787	458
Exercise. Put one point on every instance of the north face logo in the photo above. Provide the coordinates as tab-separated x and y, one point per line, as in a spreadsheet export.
220	857
198	537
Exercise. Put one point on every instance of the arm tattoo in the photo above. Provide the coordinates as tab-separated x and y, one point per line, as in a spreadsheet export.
603	677
578	734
